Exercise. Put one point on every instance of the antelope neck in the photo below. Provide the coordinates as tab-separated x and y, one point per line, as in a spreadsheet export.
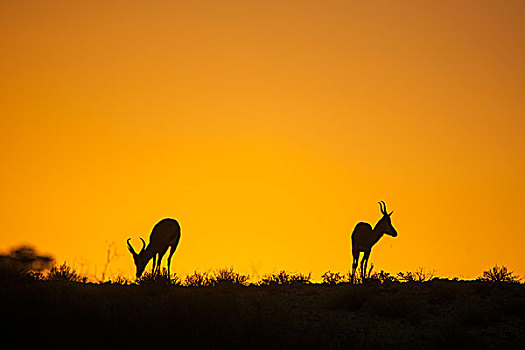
379	228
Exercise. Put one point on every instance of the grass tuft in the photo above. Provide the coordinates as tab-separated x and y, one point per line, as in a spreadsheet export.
285	278
65	273
162	278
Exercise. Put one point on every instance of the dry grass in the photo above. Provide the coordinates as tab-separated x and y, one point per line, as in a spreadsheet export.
284	278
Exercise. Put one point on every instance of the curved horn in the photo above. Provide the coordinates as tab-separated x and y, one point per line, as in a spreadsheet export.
143	245
381	207
130	247
384	208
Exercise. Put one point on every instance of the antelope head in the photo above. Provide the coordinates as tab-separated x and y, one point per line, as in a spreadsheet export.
384	225
140	259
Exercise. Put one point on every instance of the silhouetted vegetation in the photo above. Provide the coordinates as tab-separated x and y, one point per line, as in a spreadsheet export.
162	278
499	274
227	276
285	279
420	275
283	310
223	276
23	262
198	279
383	277
332	278
65	273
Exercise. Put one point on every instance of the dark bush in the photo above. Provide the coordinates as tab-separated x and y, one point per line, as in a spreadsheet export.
499	275
161	278
332	278
228	276
198	279
420	275
383	277
64	273
285	278
22	263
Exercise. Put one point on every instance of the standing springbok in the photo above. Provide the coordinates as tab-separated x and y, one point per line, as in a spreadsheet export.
364	237
165	234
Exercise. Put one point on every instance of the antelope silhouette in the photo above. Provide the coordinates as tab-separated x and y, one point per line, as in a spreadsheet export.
364	237
165	234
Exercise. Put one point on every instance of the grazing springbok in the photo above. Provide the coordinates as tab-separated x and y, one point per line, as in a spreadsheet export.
165	234
364	237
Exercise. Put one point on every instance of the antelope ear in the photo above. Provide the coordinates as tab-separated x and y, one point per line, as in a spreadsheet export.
391	213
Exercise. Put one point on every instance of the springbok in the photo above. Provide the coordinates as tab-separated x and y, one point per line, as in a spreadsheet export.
166	233
364	237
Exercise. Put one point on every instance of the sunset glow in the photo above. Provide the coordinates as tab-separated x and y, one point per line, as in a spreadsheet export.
268	129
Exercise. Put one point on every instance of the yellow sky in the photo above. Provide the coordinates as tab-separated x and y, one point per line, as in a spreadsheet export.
267	128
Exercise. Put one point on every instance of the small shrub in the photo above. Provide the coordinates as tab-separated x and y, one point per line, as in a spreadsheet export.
198	279
64	273
37	276
228	276
332	278
383	277
499	274
300	278
285	278
119	280
23	263
160	278
420	275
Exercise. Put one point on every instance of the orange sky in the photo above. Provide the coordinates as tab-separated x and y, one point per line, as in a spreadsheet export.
267	128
